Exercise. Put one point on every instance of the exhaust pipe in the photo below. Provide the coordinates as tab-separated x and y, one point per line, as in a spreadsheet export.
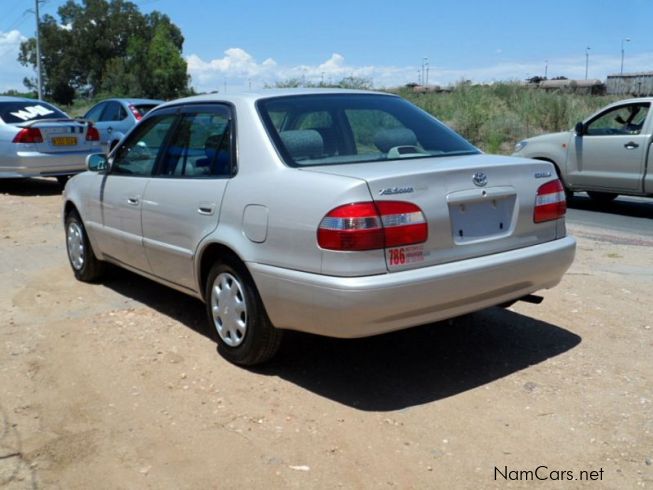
532	298
529	298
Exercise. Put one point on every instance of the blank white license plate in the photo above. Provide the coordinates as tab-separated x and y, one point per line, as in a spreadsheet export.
476	220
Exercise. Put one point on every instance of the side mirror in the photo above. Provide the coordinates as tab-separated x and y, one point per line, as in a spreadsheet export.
97	162
580	129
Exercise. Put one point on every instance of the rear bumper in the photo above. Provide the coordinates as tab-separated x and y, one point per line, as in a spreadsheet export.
34	164
361	306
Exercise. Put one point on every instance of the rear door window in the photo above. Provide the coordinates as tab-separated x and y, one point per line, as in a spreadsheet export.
113	112
200	146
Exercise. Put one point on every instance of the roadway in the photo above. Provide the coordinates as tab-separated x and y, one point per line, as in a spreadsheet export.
625	215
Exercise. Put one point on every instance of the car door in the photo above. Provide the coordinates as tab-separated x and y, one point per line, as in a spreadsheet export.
610	154
110	121
123	187
181	204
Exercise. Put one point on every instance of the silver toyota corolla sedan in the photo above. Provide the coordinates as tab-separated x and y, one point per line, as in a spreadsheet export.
37	139
341	213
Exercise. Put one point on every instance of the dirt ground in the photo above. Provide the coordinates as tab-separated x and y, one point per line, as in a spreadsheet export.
116	385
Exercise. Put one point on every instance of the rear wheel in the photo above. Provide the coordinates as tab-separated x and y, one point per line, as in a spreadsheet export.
602	197
85	265
237	318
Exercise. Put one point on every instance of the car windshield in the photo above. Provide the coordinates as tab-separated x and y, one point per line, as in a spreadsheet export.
331	129
26	111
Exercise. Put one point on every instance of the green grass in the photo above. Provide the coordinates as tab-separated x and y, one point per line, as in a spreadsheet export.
495	117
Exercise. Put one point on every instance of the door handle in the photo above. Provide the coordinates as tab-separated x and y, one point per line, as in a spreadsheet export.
132	201
206	207
631	145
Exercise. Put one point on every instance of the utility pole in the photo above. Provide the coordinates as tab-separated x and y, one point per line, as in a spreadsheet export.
626	40
38	50
546	68
587	60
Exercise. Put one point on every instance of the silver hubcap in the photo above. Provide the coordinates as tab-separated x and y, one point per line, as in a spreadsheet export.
229	309
75	239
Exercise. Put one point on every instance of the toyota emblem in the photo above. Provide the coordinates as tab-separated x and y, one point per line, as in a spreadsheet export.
479	179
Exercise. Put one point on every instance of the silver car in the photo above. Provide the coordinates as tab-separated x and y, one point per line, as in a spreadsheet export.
37	139
113	118
341	213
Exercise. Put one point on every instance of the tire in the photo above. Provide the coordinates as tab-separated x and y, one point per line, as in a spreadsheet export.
62	179
83	261
237	318
602	197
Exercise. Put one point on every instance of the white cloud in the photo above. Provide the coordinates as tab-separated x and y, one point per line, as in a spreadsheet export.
12	73
238	68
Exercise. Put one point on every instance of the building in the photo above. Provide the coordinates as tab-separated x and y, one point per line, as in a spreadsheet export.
631	84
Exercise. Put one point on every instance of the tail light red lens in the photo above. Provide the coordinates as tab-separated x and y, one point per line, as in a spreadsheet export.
550	202
92	134
135	112
370	226
28	135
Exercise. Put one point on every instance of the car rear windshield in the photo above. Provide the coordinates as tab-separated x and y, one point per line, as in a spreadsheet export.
332	129
27	111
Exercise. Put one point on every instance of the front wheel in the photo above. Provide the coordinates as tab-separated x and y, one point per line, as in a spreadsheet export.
85	265
602	197
237	318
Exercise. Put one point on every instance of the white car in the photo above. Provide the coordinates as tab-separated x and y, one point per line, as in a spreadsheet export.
37	139
341	213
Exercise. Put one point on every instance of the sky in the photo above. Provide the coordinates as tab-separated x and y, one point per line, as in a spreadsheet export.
242	44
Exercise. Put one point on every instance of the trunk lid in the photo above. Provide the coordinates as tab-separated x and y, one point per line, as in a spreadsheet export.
474	205
61	136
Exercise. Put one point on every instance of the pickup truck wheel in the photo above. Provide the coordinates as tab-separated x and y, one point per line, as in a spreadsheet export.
237	317
83	261
602	197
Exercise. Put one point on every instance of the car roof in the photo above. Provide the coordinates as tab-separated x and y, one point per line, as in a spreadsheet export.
253	96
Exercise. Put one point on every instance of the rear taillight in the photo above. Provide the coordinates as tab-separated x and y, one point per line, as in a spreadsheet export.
550	202
370	226
28	135
135	112
92	134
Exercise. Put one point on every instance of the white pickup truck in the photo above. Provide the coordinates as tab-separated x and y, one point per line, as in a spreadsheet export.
607	154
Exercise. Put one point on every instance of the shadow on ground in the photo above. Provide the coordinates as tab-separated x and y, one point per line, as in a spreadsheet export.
619	207
30	187
387	372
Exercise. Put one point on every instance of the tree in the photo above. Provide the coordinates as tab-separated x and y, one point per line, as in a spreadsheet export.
108	46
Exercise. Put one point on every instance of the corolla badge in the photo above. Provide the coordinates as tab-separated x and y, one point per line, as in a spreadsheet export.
479	179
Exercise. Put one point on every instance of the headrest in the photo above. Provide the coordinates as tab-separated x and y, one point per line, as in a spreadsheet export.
303	143
389	138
